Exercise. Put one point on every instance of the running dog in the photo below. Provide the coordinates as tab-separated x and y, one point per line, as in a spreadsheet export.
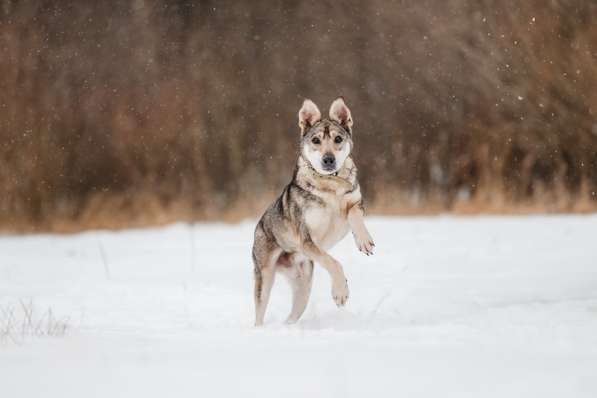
313	213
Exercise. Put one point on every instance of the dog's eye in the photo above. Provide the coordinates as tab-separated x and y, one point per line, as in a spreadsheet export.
338	139
316	141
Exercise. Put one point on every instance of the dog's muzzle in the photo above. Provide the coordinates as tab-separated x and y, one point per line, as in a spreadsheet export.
328	162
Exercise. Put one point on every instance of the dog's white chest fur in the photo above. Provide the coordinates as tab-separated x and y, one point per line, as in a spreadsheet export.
327	225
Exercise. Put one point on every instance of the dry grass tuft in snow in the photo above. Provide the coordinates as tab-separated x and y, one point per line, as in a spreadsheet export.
21	320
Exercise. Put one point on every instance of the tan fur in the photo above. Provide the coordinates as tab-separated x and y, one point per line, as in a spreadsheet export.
313	213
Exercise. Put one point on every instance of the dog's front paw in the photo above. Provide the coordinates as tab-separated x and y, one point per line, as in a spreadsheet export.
364	243
340	292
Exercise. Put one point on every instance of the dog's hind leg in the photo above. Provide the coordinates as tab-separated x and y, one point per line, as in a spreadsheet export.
265	255
300	278
264	280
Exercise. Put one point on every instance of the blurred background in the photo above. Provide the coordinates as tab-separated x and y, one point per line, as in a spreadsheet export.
132	113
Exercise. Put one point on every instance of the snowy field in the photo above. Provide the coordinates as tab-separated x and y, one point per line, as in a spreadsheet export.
447	307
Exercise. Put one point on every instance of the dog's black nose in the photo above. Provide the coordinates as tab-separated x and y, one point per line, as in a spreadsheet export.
328	160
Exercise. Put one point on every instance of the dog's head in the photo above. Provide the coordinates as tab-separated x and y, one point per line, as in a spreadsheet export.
326	143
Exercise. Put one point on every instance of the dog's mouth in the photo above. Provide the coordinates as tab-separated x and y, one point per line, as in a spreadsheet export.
329	168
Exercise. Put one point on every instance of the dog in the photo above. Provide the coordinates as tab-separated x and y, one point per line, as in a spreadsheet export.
313	213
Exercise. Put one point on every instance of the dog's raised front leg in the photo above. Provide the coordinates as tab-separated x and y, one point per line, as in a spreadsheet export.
361	236
333	267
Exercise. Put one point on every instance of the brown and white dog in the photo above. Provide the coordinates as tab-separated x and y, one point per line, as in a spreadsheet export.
313	213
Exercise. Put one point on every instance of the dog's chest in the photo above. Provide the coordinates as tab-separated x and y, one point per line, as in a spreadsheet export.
327	224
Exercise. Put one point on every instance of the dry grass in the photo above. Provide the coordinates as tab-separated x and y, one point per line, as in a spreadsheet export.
23	320
139	112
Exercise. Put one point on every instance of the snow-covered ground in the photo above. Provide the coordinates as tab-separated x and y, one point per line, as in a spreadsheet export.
458	307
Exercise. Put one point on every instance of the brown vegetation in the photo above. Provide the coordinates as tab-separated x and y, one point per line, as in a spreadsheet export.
120	113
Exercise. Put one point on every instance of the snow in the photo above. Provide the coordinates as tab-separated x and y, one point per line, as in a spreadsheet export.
448	306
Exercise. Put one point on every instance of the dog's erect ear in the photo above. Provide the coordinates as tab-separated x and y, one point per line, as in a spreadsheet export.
340	112
308	115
